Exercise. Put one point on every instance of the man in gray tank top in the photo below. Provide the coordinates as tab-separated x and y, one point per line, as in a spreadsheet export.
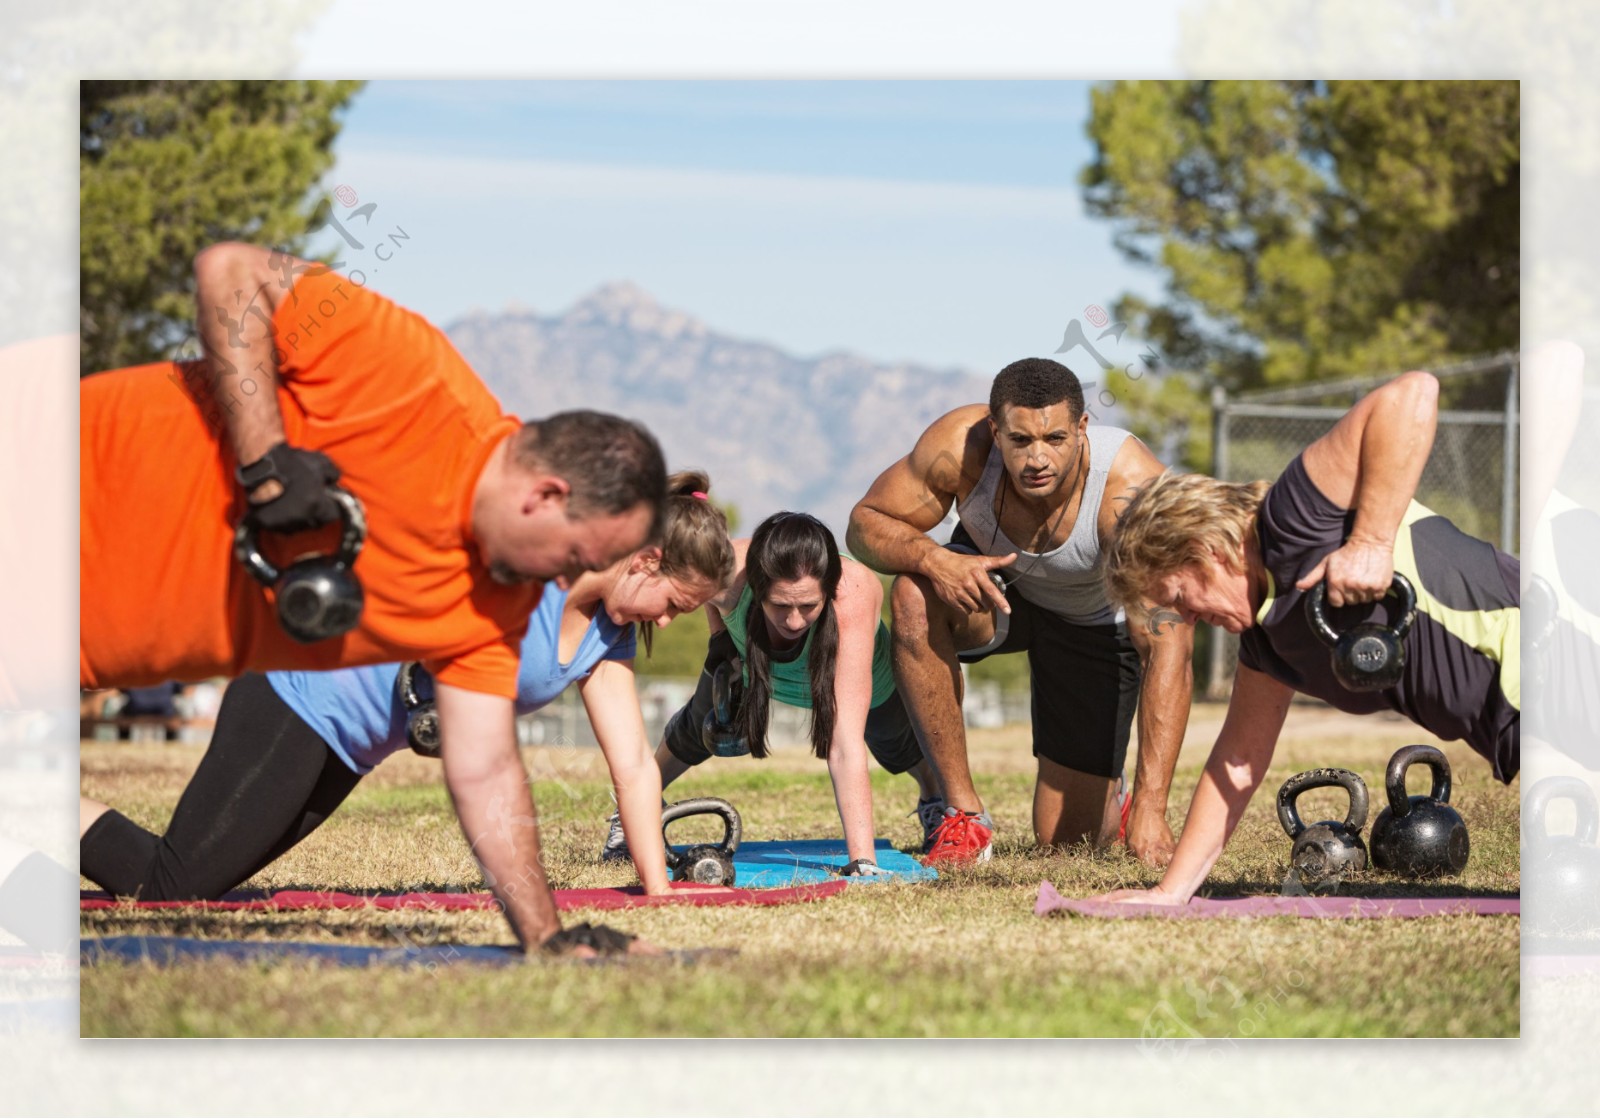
1038	490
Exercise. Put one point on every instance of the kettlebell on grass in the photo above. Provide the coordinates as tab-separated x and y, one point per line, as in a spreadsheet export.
1326	851
710	864
1419	836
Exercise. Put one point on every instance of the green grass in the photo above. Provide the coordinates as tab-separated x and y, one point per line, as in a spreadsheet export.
961	956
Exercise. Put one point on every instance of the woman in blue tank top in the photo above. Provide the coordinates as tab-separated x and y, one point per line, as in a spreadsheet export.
290	746
805	627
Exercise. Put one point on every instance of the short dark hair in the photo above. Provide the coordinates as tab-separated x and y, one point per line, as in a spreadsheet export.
612	464
1035	382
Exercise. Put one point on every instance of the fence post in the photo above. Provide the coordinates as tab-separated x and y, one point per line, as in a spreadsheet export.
1216	686
1509	475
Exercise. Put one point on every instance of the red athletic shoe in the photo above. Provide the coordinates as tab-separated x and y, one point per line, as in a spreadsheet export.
1127	806
962	838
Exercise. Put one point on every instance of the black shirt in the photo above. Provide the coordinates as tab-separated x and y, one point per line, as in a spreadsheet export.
1462	674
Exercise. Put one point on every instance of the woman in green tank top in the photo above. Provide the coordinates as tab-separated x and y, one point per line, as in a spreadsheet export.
804	626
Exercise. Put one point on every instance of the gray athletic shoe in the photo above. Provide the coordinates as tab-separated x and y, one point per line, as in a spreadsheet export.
615	848
931	813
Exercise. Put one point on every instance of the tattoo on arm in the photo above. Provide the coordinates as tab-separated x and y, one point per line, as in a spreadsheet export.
1162	620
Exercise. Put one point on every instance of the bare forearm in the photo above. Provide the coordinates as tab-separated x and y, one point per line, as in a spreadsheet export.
235	301
1164	700
497	817
1237	766
1218	805
639	804
852	793
886	544
1396	442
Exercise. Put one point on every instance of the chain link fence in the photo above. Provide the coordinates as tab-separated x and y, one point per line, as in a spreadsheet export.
1471	477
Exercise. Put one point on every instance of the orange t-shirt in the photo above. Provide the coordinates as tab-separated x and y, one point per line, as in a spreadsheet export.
381	392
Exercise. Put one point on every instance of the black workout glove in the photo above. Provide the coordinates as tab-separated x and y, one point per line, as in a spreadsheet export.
605	940
305	476
861	868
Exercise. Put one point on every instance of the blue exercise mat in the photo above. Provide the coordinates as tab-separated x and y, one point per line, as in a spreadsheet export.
164	951
794	862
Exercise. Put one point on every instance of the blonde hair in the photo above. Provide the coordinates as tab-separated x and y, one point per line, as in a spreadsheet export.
694	538
1175	520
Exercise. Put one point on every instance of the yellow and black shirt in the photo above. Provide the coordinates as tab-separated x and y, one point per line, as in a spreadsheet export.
1462	675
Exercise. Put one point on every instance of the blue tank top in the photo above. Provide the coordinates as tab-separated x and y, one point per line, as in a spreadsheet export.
358	711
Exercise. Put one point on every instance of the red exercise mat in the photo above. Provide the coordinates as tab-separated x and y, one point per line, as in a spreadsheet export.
1267	906
607	897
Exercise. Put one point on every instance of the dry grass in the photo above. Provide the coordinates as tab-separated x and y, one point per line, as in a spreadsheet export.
961	956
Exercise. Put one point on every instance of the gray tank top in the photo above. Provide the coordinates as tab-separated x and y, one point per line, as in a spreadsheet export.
1066	581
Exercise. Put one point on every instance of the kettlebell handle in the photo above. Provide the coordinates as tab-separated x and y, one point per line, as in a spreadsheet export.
732	827
1399	587
353	518
1395	778
1289	814
1561	788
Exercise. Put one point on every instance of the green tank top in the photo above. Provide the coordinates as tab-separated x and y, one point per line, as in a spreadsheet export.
791	681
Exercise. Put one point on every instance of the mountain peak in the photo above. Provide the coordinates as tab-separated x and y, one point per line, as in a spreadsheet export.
625	304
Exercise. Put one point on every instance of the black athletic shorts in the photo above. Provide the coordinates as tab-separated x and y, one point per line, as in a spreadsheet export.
889	735
1085	685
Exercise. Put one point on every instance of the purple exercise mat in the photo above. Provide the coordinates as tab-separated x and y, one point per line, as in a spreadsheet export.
1266	906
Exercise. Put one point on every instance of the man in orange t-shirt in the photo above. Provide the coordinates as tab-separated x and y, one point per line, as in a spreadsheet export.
467	512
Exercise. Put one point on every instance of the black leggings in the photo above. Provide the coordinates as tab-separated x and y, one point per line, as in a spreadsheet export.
267	781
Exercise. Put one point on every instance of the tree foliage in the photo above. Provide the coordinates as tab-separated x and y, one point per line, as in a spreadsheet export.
169	167
1308	230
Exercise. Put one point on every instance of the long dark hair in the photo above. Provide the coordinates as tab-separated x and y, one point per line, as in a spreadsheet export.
785	547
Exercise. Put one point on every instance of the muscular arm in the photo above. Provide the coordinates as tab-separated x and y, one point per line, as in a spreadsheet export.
484	775
858	607
889	526
1166	685
613	706
1166	651
236	294
1371	462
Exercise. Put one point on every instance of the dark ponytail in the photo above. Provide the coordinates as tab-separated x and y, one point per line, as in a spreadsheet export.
785	547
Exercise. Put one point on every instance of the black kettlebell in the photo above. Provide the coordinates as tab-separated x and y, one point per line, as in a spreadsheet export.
1368	657
710	864
1563	870
1421	836
318	597
719	733
1327	850
422	716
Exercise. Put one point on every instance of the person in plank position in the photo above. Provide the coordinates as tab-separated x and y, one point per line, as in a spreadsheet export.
308	380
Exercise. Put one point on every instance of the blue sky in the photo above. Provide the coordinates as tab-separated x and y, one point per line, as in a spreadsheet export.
936	222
